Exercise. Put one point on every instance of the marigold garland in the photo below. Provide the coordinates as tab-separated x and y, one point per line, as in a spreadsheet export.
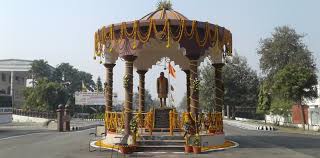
104	36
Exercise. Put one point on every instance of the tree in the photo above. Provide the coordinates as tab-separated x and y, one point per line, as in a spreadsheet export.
295	82
66	73
292	84
99	87
240	84
44	96
207	90
41	69
52	82
284	47
148	101
264	99
283	58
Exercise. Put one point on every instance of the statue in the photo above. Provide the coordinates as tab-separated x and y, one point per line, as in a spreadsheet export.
162	89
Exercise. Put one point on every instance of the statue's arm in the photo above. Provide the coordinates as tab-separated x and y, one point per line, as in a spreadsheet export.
157	86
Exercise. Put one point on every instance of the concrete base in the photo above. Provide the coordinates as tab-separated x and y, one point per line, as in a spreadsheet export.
113	138
210	139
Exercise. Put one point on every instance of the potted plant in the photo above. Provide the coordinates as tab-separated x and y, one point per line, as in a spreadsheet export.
212	130
187	128
187	146
125	149
134	132
196	147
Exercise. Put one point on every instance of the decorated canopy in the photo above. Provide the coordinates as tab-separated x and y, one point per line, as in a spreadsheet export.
163	33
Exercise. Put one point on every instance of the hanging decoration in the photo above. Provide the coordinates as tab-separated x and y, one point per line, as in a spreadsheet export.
109	37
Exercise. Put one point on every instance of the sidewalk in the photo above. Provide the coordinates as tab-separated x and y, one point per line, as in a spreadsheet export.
252	124
77	124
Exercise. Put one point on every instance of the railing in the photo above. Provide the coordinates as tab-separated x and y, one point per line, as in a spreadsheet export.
114	121
209	122
39	114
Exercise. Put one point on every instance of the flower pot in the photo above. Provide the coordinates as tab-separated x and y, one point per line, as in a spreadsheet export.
188	149
133	148
211	131
196	149
125	149
112	130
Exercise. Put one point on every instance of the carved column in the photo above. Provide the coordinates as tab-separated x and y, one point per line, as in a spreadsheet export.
128	91
194	95
188	88
141	89
108	86
219	88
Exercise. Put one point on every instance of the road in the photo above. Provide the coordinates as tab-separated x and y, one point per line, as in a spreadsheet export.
261	144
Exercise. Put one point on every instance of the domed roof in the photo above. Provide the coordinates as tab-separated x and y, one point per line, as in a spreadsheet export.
164	14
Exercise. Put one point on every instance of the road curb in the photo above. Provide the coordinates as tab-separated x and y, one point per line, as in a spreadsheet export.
266	128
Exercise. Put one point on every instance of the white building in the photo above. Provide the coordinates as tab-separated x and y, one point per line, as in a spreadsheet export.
316	102
13	78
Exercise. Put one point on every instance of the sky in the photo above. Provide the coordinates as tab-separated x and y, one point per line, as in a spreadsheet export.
62	31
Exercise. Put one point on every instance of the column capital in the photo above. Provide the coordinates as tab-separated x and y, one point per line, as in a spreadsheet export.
129	57
142	72
218	65
109	65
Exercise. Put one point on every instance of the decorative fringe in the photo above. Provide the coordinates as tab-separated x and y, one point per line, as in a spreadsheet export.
211	36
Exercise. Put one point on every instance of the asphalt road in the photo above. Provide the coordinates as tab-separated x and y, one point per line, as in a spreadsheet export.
261	144
17	129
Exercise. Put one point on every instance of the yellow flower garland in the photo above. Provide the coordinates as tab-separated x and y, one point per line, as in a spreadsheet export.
103	35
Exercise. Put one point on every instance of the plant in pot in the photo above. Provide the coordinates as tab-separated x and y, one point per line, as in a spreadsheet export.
187	128
134	132
125	149
196	144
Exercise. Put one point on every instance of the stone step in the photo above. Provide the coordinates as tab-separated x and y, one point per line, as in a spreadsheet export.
176	148
160	142
163	130
162	137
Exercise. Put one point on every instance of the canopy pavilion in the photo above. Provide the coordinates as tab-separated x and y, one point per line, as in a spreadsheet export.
141	43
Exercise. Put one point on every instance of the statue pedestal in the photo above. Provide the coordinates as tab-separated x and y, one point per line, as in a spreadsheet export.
161	117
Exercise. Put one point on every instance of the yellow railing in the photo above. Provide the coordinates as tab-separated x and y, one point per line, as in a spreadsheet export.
212	122
114	121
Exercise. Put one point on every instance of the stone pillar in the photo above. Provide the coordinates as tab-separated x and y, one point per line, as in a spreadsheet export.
60	113
108	86
219	88
67	118
188	88
11	87
194	95
141	89
128	91
228	111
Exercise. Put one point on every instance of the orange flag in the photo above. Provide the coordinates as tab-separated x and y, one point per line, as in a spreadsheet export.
172	71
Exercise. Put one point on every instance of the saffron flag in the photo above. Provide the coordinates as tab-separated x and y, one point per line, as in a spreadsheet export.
172	71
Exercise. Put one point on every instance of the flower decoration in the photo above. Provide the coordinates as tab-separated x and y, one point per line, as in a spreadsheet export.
126	81
195	85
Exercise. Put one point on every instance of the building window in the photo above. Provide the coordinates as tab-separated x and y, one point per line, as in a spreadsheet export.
3	77
8	90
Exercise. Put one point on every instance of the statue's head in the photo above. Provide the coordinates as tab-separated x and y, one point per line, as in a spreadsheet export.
161	74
